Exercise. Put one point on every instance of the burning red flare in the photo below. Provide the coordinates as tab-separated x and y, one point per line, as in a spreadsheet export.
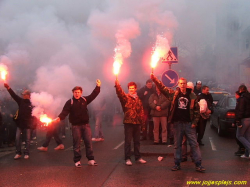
155	59
3	71
44	119
118	61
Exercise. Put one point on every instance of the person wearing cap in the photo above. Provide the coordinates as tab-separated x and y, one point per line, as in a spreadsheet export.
197	88
24	120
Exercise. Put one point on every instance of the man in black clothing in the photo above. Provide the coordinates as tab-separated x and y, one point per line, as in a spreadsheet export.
197	88
79	118
242	117
144	93
204	116
24	120
241	149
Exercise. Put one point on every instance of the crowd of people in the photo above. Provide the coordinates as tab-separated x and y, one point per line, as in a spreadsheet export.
154	112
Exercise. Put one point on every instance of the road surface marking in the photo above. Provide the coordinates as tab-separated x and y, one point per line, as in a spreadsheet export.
212	144
119	145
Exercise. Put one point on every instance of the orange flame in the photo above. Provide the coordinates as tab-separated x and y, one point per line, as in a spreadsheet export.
116	67
44	119
155	59
3	75
118	61
3	71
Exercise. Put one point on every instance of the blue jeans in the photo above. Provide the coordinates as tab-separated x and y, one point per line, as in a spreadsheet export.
78	132
20	132
132	131
98	126
184	128
243	133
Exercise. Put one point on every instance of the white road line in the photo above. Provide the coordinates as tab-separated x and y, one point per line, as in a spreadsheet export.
212	144
70	148
119	145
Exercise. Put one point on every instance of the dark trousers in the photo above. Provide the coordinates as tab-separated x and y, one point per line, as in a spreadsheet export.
132	131
78	132
52	131
149	127
201	129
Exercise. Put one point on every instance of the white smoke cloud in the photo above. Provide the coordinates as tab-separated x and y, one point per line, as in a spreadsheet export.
52	46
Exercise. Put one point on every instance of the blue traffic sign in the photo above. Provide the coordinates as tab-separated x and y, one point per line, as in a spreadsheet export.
170	78
171	56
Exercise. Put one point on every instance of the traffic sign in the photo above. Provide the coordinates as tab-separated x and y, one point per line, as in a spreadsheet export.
171	56
170	78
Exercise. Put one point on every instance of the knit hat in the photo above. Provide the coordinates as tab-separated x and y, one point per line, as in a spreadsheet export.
190	85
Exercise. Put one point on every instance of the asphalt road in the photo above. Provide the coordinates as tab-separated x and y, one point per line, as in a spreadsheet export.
56	168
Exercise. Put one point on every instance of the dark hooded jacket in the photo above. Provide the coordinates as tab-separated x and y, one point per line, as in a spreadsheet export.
145	98
243	107
77	108
24	119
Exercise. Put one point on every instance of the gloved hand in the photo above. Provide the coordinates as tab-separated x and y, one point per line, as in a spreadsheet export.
6	86
238	123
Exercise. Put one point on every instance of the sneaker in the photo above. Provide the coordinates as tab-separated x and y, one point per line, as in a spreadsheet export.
176	167
244	156
26	156
23	143
78	164
17	156
200	168
239	152
95	139
34	138
128	162
142	161
92	163
63	136
59	147
42	148
101	139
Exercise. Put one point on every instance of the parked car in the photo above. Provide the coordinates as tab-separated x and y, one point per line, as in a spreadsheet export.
218	94
224	114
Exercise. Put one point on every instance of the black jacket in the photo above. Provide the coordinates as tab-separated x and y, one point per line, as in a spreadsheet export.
77	108
243	107
145	98
25	118
209	100
1	119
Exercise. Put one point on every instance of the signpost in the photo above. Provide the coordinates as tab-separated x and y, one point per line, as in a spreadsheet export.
170	78
171	56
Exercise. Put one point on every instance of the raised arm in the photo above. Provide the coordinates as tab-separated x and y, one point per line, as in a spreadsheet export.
163	89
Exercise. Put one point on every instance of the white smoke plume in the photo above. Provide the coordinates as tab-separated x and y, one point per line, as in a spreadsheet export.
52	46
